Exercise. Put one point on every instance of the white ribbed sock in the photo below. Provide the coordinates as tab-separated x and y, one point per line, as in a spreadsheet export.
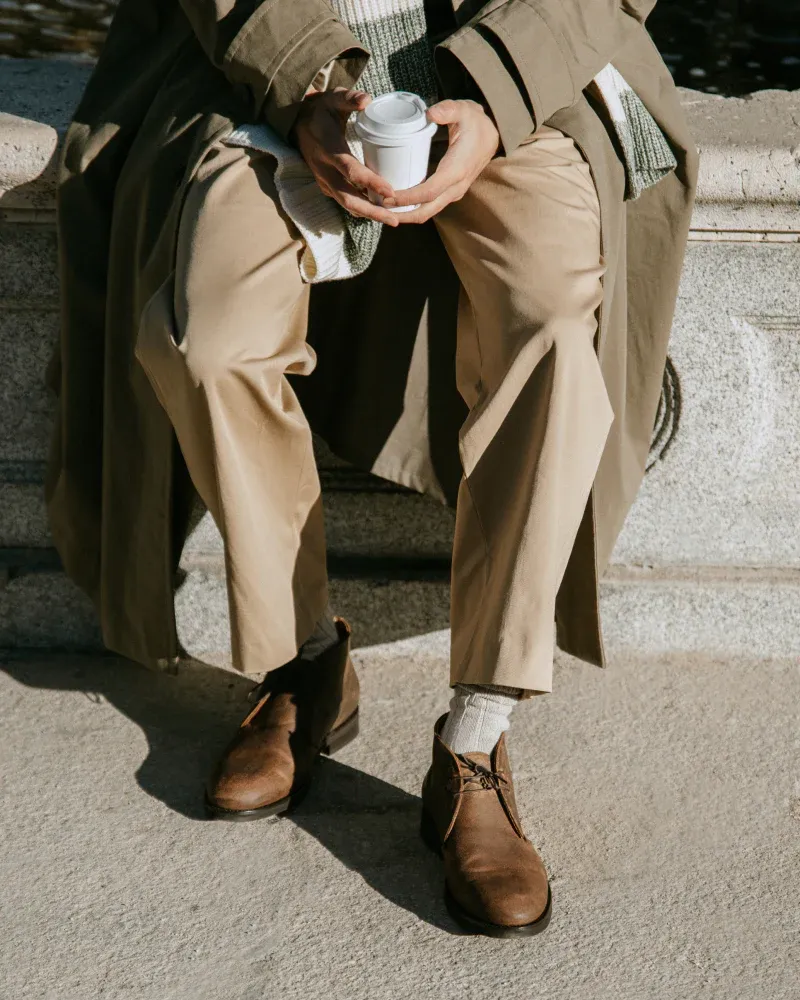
478	717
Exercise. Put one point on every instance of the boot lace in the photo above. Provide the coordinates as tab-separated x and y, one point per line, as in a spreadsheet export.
480	777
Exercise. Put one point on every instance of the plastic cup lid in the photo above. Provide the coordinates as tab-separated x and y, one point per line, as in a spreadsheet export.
395	114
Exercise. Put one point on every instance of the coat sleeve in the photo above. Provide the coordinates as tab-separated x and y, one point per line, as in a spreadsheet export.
531	58
273	50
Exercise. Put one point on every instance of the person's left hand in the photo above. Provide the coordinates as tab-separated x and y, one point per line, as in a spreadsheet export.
473	141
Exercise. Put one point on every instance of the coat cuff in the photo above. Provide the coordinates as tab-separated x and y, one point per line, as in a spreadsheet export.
514	57
471	55
281	48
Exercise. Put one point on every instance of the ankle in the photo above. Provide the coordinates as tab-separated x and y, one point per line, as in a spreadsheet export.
478	717
324	636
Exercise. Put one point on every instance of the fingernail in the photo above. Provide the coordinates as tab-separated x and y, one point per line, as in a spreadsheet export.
389	202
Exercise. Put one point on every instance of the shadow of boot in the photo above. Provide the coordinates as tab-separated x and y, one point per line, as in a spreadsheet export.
186	718
372	827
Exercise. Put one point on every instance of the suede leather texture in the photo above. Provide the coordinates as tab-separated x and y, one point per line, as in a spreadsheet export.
491	869
276	746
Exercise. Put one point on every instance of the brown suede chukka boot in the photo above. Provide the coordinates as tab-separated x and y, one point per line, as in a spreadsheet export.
495	882
303	708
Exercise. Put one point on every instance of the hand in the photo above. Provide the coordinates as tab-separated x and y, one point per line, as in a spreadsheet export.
319	135
473	141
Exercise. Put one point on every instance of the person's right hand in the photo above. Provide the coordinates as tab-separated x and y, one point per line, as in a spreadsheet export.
319	135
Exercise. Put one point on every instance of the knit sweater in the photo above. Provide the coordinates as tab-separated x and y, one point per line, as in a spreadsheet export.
339	245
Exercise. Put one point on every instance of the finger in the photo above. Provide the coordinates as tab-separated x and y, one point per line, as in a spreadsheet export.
447	175
354	201
447	112
359	176
426	212
362	208
345	102
335	154
356	204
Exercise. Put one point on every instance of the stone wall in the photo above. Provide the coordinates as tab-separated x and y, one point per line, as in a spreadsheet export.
710	556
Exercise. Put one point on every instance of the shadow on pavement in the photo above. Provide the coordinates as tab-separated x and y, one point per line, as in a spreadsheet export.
186	719
372	827
369	825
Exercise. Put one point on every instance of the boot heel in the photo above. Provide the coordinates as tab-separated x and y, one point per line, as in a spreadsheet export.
429	834
341	736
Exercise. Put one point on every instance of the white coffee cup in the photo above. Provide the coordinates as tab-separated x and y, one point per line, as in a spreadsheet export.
396	135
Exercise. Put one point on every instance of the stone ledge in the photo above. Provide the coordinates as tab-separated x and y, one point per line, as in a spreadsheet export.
750	148
37	97
752	613
27	164
750	161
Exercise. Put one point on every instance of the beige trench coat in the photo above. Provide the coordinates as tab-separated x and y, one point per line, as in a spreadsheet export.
173	77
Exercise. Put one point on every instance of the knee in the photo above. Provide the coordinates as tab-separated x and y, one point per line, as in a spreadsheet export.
572	305
567	324
566	328
207	359
200	348
218	347
218	339
571	334
153	348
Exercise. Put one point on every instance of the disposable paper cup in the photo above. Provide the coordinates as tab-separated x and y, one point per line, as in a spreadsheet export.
396	136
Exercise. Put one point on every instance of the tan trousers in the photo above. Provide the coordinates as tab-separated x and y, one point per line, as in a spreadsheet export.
525	242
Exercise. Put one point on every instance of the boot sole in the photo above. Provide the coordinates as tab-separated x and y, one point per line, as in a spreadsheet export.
334	741
465	920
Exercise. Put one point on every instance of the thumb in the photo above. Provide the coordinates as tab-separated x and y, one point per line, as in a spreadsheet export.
445	112
347	101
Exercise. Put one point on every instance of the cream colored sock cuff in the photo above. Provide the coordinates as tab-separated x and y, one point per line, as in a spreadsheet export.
478	717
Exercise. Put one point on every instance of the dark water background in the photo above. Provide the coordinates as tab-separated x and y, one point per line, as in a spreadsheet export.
725	47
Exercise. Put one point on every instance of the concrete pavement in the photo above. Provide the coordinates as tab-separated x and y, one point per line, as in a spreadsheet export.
664	795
